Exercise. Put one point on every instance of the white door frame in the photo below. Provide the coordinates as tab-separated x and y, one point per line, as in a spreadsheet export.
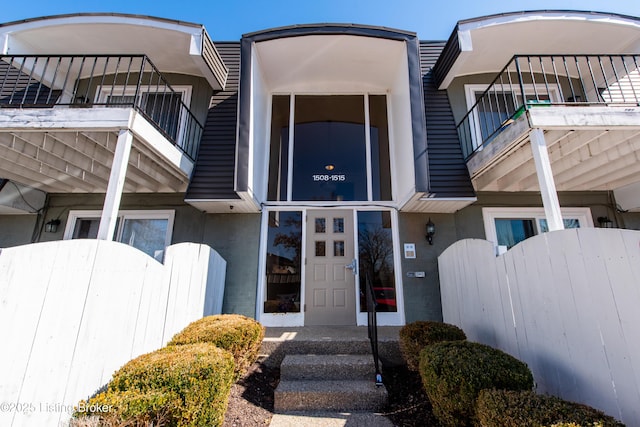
297	319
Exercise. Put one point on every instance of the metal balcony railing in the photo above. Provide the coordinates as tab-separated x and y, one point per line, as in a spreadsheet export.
40	81
534	80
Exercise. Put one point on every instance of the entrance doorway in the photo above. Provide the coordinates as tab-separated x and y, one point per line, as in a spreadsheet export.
330	297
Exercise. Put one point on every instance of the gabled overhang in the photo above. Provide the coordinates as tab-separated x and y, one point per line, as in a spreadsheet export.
331	59
173	46
486	44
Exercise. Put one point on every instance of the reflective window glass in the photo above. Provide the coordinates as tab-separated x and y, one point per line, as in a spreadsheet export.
380	161
329	148
375	258
148	235
284	248
279	151
321	248
513	231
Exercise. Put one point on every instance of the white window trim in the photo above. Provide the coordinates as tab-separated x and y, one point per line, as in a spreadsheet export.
471	90
489	215
75	215
119	90
396	318
368	154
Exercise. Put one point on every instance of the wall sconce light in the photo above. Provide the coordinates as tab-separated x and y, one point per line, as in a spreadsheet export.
431	230
52	226
605	222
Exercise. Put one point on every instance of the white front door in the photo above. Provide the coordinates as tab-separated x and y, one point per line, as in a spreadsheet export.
330	297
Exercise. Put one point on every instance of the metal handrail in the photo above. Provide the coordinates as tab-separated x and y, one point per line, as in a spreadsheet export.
528	81
372	326
48	81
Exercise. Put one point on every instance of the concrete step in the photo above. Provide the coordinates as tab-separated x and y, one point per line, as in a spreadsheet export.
279	342
327	366
329	395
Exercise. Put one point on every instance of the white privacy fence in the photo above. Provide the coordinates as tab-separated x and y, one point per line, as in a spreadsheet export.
567	303
74	311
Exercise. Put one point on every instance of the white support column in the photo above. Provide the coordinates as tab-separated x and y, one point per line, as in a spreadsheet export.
115	186
545	179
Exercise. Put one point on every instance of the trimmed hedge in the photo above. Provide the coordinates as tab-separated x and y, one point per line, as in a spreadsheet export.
502	408
129	408
185	385
453	374
240	335
417	335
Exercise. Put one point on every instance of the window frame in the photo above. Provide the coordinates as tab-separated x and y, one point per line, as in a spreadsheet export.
471	91
130	90
123	215
489	215
290	319
288	175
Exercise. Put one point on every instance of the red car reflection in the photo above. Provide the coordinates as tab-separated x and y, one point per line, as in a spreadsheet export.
386	298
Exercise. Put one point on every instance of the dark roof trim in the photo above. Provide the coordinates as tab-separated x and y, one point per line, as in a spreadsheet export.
415	82
327	29
113	14
452	49
447	58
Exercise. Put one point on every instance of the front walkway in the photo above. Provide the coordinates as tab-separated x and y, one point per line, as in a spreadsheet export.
324	340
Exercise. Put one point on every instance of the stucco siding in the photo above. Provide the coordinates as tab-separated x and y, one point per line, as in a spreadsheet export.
236	237
16	229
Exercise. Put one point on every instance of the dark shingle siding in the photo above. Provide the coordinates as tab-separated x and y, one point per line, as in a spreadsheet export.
214	175
448	172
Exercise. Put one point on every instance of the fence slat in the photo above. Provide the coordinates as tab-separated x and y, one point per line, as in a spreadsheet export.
75	311
569	310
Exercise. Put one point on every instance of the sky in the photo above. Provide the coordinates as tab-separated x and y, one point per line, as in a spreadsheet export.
228	20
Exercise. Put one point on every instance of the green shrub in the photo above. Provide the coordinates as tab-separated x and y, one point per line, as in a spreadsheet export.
501	408
239	335
417	335
185	385
454	372
130	408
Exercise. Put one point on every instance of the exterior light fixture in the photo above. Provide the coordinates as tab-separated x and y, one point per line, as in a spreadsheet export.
330	167
605	222
52	226
431	230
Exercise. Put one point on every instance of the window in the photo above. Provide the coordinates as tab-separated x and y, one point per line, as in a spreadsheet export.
376	260
500	103
506	227
148	231
163	107
329	148
284	255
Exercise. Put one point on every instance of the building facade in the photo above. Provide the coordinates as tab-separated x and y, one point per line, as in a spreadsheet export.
318	159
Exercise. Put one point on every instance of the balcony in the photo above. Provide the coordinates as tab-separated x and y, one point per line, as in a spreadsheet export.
100	81
587	107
